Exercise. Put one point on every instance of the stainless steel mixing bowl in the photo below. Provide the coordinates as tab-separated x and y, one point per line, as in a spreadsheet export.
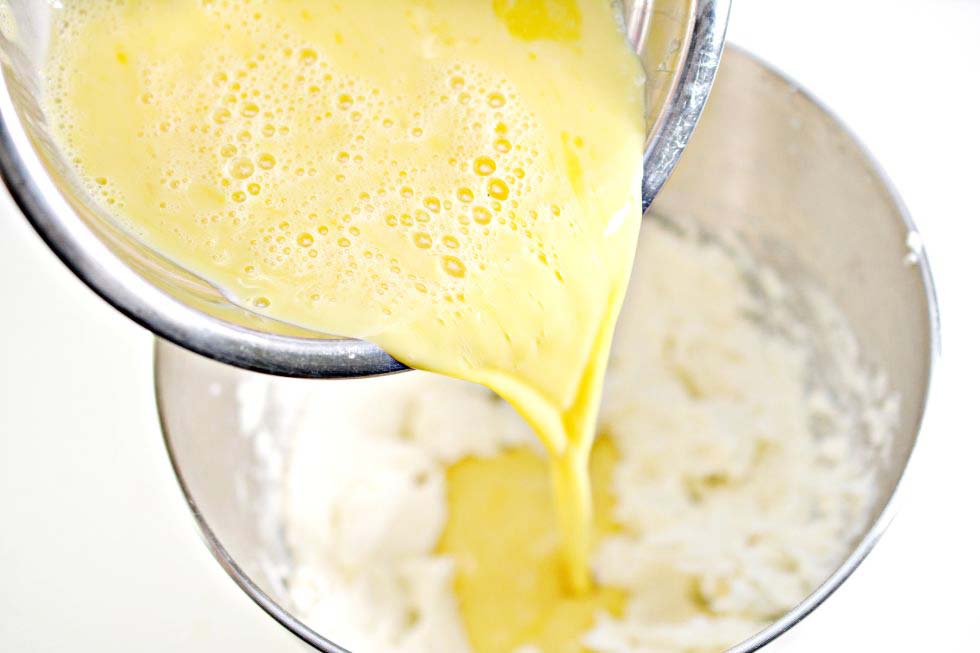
768	162
679	41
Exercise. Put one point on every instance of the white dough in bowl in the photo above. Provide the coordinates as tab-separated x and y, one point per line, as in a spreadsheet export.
747	440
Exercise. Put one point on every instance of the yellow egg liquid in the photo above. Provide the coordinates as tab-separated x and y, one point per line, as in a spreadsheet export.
509	585
454	180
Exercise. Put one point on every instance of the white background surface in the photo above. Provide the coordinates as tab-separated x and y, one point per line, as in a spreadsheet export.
98	552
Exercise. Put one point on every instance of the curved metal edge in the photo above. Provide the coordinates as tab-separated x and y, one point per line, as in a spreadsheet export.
887	513
42	203
688	97
260	598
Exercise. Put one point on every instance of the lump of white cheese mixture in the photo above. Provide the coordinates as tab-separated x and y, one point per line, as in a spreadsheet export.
732	509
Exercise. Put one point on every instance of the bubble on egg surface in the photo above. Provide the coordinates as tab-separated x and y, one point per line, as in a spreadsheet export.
360	172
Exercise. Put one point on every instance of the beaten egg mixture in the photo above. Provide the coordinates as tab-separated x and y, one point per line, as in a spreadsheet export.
455	181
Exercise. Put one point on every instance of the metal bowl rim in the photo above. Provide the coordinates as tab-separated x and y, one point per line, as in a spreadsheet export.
888	510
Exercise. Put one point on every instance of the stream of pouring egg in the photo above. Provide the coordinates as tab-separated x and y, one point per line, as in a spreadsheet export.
456	181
